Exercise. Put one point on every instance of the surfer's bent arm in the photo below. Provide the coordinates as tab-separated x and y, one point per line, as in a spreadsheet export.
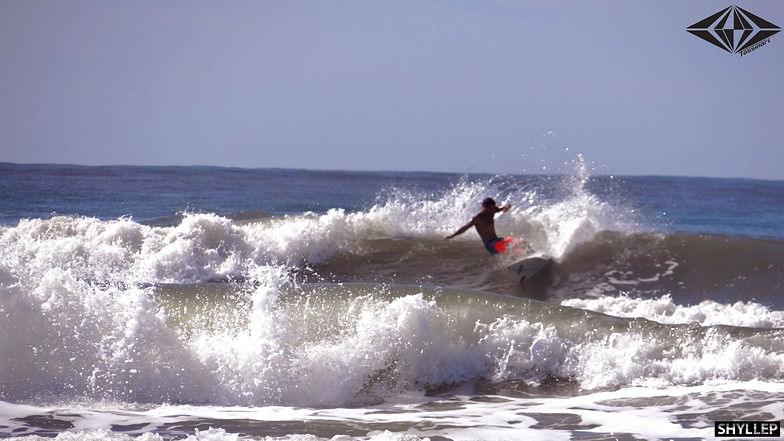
462	229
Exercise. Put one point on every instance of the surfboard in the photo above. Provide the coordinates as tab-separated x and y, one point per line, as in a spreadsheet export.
527	268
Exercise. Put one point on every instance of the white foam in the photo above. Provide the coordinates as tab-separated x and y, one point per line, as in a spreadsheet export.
647	413
664	310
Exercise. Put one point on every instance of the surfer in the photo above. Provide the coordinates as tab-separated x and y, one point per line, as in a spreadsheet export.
485	226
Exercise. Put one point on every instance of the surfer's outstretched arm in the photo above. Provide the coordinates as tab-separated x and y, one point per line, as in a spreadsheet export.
462	229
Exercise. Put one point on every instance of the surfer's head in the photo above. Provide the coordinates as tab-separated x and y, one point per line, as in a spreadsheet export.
489	202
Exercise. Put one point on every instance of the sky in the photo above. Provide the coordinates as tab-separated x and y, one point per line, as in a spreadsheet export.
494	86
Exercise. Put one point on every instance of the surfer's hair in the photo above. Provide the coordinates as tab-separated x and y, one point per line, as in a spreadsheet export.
487	202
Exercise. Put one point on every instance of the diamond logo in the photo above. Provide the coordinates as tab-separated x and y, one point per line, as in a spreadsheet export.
733	29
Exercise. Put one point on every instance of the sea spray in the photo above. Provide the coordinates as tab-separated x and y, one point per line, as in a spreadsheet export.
553	213
370	343
72	338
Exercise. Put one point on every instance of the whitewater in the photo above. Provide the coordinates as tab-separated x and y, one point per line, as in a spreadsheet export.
158	303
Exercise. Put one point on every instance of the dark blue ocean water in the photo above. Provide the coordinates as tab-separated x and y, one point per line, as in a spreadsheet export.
733	207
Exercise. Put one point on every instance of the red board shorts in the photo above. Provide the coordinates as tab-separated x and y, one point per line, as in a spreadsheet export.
501	245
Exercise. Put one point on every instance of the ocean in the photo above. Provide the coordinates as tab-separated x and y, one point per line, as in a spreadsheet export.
207	303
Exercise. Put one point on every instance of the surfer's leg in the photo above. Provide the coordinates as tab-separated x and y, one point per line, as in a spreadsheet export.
492	247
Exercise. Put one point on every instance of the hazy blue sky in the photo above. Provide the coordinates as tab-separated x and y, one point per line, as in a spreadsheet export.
477	86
